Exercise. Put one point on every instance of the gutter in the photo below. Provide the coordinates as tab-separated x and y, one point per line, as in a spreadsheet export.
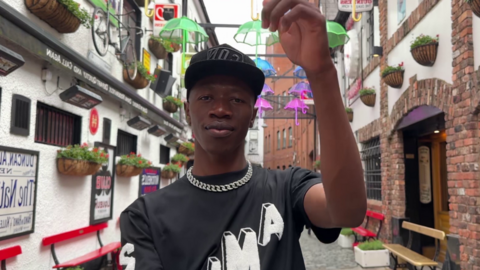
31	28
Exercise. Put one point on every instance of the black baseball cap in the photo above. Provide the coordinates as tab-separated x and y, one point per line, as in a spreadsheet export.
224	60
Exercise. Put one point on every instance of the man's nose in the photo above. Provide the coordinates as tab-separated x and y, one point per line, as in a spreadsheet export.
221	108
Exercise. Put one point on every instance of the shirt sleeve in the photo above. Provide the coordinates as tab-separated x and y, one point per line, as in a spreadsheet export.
138	251
301	181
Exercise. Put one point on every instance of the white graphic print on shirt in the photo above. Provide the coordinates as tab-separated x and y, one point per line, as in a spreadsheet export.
129	262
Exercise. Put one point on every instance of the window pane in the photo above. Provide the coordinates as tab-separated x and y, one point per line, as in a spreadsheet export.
284	138
290	136
371	157
56	127
278	139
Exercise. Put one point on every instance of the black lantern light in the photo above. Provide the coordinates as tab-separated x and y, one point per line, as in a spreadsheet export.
9	61
377	51
80	97
172	140
157	131
139	123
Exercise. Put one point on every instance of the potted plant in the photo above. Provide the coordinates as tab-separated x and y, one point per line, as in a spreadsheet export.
393	76
79	160
171	47
187	148
316	165
155	45
171	104
367	95
424	50
349	114
65	16
131	165
179	159
170	171
346	238
142	79
372	254
475	6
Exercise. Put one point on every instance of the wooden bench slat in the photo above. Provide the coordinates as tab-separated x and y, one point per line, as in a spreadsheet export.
90	256
10	252
364	232
434	233
409	255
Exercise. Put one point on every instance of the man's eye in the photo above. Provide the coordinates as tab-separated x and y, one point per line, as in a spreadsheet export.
205	98
237	100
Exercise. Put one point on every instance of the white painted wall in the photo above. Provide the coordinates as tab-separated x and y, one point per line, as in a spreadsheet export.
256	158
442	69
393	23
363	114
63	202
476	41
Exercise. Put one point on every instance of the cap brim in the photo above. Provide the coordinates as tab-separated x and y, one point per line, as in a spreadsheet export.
251	75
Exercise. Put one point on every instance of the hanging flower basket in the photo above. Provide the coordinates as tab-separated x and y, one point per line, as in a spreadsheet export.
179	159
475	6
93	168
349	112
79	160
157	48
171	104
187	148
62	15
424	50
139	82
393	76
170	46
127	170
170	171
131	165
70	166
367	96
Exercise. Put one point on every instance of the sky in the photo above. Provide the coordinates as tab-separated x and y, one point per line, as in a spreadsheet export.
231	12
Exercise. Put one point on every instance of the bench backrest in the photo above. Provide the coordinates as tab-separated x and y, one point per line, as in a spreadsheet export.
72	234
375	215
434	233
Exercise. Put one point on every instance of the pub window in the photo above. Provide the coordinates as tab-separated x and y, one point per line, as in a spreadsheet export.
265	144
168	63
290	137
56	127
20	117
278	140
370	37
107	129
284	139
371	157
164	154
269	143
126	143
132	19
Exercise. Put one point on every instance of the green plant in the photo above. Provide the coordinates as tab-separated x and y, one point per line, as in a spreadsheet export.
346	232
81	14
171	167
168	45
423	40
144	72
174	100
81	152
371	245
74	268
349	110
316	164
367	91
190	146
179	157
390	69
134	160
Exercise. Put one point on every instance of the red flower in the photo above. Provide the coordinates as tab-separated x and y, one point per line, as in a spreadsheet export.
149	163
139	155
148	72
401	64
96	17
155	76
107	156
132	153
438	35
95	150
101	154
140	162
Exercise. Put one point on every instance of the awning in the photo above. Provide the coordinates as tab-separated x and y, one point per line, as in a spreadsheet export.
418	114
18	29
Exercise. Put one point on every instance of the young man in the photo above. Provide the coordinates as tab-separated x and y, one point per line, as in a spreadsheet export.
226	214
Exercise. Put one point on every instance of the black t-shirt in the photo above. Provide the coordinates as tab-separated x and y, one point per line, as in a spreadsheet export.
254	227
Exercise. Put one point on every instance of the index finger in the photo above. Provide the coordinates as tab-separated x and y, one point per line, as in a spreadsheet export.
268	6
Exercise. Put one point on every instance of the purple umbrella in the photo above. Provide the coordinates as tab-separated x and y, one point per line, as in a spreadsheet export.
296	105
299	88
267	90
262	105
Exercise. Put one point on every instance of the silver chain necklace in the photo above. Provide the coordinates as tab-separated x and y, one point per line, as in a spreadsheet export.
220	188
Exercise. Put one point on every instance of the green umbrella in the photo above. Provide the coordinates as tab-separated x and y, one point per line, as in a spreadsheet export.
183	30
336	34
253	34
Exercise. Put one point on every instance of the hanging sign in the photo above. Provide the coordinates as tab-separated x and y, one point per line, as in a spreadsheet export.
18	191
360	5
146	60
101	199
94	121
424	175
352	55
149	180
163	13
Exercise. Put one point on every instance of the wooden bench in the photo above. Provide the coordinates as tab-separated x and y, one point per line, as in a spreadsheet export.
102	251
9	253
411	257
364	232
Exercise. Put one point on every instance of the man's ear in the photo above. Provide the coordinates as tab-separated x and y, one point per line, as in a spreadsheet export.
186	107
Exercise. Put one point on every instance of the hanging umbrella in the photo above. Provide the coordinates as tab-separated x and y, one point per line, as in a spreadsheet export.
262	105
183	30
296	105
336	34
267	90
266	67
299	73
253	34
300	88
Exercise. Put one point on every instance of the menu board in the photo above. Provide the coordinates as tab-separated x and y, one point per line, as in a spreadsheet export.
149	180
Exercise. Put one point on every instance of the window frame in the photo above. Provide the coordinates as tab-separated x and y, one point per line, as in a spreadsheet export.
138	22
371	158
278	140
135	143
284	144
290	138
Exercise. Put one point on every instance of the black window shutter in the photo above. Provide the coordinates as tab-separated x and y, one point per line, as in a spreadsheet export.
107	129
20	118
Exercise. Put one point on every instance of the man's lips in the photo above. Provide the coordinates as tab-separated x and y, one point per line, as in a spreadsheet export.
219	129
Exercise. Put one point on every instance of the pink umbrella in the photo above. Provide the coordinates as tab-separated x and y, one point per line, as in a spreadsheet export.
267	90
262	105
299	88
296	105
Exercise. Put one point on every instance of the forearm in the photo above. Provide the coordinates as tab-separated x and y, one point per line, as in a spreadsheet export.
341	168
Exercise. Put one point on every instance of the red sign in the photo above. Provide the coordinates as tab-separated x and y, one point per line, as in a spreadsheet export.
163	13
94	121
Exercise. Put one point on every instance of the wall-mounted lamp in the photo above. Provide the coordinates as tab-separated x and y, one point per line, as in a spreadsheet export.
80	97
377	51
139	123
157	131
9	61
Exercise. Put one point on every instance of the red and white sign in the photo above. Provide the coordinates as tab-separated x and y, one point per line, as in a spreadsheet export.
360	6
164	13
94	121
